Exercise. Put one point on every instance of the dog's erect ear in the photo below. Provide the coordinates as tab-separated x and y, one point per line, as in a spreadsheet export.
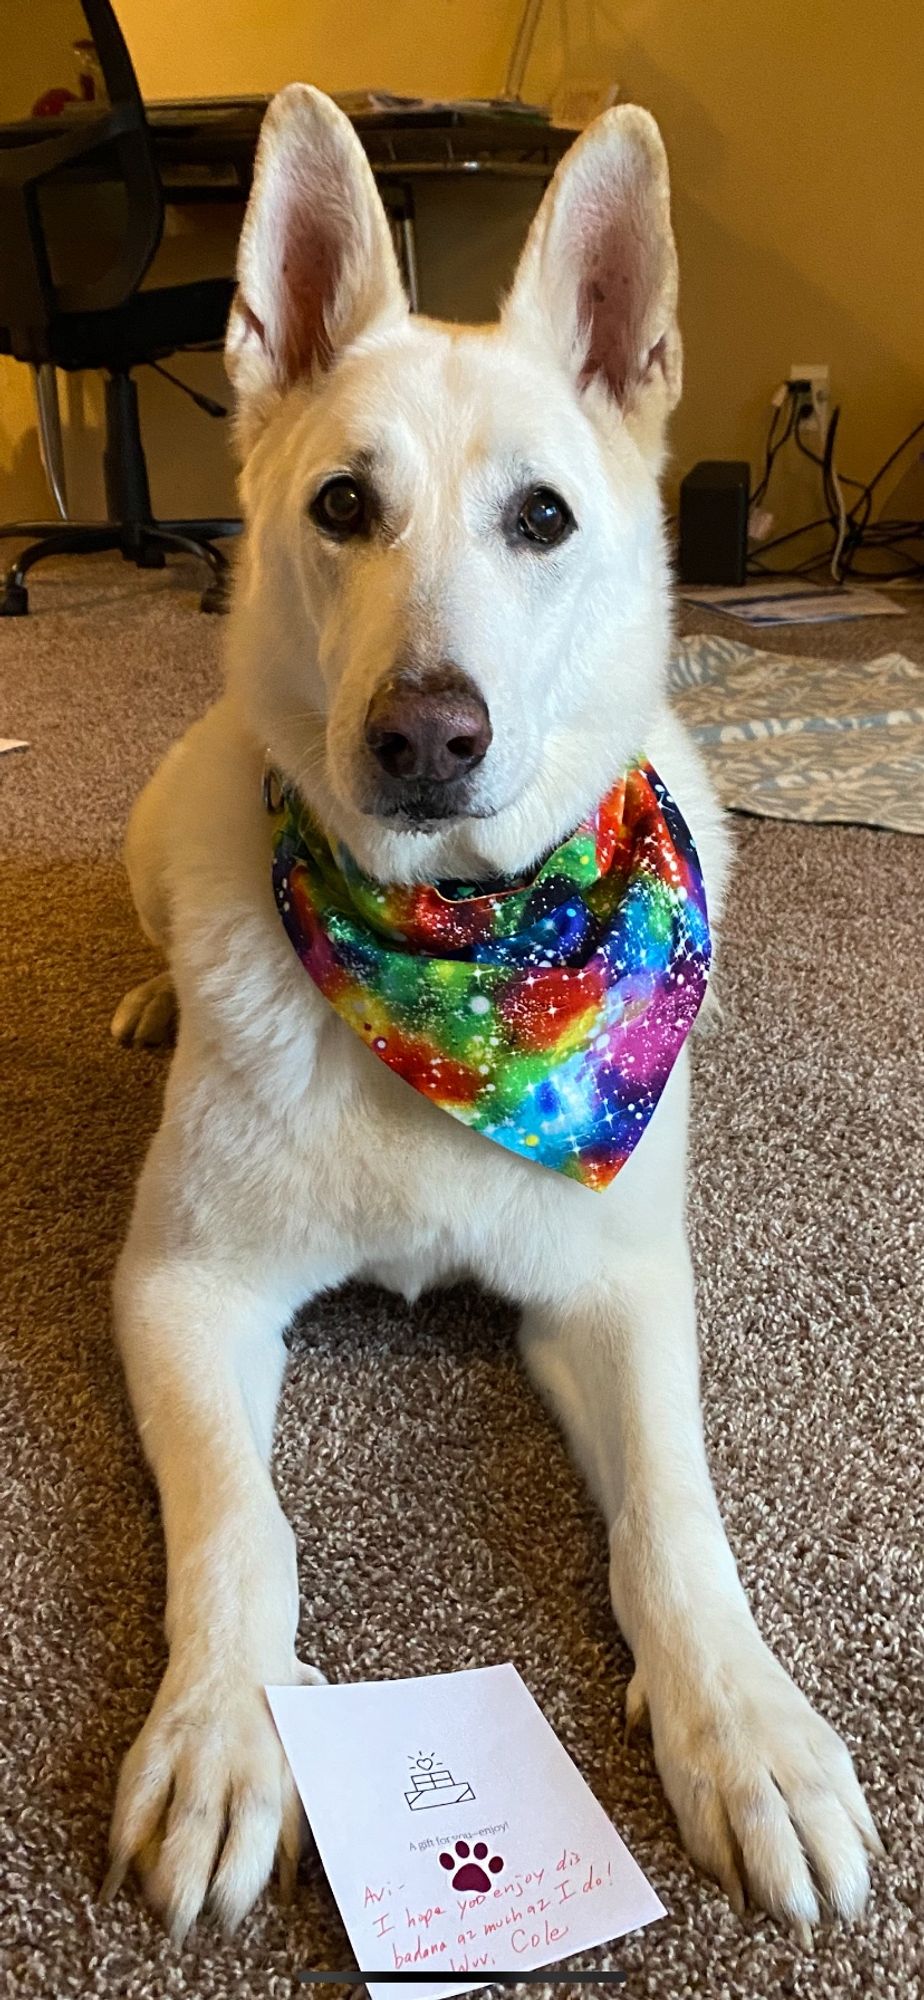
598	276
316	265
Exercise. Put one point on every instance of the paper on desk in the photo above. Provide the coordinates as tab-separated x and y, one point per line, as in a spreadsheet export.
788	602
455	1831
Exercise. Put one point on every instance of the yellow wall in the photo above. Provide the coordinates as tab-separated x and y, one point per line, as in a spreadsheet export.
219	47
794	128
794	133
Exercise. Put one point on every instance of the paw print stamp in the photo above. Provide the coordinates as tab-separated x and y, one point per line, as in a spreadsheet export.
470	1865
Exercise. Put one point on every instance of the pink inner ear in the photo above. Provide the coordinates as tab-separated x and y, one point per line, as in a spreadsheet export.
614	299
309	276
251	319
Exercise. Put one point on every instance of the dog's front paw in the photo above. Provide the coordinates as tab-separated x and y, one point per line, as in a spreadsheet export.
205	1801
764	1790
146	1017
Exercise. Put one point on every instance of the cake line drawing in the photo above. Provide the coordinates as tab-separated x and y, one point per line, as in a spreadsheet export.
432	1784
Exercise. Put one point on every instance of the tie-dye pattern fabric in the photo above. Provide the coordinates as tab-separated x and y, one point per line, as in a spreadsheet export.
546	1015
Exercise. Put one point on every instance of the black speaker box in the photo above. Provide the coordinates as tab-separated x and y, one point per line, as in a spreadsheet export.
714	521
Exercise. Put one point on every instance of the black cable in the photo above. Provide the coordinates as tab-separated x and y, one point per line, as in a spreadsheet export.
757	492
805	568
771	450
893	455
860	526
202	402
833	498
758	568
795	534
885	575
815	456
896	531
875	537
772	447
833	502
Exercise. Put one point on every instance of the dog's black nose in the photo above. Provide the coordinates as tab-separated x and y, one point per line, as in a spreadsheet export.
431	730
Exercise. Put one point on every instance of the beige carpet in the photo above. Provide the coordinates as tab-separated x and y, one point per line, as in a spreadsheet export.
439	1521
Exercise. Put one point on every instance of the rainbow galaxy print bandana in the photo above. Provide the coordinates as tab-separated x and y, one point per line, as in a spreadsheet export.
546	1014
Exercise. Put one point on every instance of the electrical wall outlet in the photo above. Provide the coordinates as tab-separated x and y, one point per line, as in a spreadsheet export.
813	395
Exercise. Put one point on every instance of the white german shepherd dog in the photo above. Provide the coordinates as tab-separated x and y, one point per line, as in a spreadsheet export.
395	470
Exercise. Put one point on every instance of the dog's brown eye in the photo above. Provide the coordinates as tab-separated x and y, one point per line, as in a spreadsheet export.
545	517
340	508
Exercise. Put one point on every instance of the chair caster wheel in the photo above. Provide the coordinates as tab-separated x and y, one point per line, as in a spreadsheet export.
215	596
15	601
146	557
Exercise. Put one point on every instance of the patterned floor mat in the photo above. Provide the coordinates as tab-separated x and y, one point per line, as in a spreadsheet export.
795	738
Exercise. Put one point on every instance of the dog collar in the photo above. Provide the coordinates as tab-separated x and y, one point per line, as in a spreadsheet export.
547	1014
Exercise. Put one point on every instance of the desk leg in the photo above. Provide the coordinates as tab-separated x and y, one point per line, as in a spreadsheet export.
51	445
408	248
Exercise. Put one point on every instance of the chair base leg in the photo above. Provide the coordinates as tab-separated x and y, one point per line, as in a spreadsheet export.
14	596
131	528
215	597
146	545
210	530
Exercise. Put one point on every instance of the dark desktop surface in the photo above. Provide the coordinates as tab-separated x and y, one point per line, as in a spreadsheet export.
441	139
205	147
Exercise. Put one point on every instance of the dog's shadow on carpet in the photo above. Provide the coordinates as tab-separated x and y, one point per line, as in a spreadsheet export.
440	1519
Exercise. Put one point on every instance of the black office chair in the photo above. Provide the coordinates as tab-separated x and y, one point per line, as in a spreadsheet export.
69	290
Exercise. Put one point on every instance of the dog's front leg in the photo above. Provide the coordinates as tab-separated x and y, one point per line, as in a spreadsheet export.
204	1797
763	1789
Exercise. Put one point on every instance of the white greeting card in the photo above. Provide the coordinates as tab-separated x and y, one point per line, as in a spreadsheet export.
455	1831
